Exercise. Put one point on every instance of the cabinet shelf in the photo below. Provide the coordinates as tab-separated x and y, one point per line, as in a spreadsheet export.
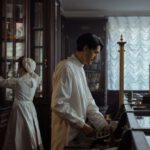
4	19
93	76
13	40
93	82
38	47
92	71
37	28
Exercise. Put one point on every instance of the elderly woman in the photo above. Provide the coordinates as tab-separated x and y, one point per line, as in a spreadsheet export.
23	129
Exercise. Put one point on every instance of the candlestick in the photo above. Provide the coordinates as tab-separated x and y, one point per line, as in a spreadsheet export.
121	90
149	78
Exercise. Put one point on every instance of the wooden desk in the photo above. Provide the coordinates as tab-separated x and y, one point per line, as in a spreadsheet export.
138	124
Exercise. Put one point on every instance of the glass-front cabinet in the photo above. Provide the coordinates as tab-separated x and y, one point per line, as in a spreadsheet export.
37	48
93	74
12	37
29	28
21	34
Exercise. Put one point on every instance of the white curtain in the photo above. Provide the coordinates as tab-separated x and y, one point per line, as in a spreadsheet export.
136	34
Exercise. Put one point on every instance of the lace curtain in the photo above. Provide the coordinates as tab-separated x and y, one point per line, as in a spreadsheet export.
136	34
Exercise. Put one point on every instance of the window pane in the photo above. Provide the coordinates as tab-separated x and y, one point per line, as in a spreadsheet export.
39	55
135	32
39	71
38	13
9	30
8	10
19	50
38	38
19	11
9	70
19	31
9	50
9	94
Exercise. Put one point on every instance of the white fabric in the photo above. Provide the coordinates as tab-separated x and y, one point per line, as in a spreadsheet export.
29	64
23	129
136	32
71	103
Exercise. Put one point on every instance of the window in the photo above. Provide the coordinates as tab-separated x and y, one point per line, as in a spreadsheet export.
136	34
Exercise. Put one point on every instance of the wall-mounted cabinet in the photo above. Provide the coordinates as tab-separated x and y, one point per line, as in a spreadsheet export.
31	29
96	72
12	37
93	75
37	47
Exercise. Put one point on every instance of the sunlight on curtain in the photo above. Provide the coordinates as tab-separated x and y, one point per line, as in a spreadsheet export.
136	32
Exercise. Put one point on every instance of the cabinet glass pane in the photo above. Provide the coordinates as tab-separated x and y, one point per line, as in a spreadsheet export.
12	69
38	13
39	55
9	94
9	50
93	79
3	30
19	50
9	70
39	70
19	11
38	38
93	74
9	12
9	31
19	31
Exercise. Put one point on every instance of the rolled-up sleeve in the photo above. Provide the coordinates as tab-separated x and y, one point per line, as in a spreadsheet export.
94	115
8	83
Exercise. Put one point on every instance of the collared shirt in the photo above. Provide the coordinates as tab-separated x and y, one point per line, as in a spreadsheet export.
72	103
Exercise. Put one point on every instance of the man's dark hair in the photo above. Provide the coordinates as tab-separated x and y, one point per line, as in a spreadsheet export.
90	40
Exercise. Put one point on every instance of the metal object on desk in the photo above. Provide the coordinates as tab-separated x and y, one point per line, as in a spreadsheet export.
130	95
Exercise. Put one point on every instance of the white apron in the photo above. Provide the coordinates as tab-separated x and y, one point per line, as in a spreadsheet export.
23	129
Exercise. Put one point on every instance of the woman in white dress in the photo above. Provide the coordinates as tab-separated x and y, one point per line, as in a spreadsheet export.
23	129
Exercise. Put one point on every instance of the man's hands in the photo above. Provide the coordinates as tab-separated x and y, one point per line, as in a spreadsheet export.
88	130
105	131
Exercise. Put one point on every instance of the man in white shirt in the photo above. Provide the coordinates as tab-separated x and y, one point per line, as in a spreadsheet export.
72	102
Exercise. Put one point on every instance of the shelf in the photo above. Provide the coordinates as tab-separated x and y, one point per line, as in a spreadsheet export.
38	47
38	28
92	71
7	19
13	40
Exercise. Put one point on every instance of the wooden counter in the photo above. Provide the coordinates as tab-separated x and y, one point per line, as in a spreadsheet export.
138	120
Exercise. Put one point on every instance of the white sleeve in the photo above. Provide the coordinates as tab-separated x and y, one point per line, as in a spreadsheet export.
37	77
95	117
62	88
8	83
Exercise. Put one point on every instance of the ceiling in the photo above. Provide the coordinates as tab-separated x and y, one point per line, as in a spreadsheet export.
100	8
